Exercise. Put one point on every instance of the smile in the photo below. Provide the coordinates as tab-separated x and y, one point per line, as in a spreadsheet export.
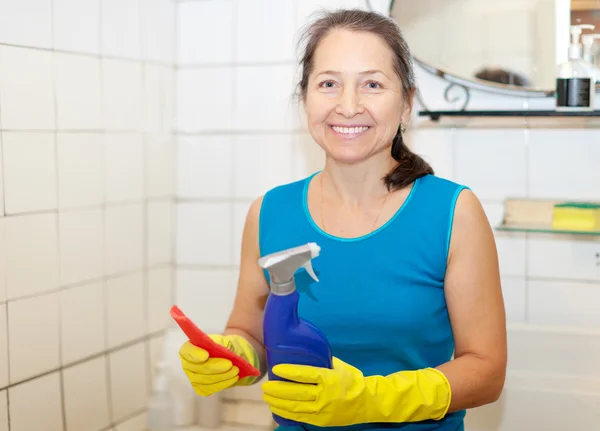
350	132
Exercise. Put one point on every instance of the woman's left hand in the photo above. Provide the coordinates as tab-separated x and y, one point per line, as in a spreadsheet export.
317	396
344	396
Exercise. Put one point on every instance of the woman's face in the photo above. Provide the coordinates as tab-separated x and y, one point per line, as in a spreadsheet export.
354	102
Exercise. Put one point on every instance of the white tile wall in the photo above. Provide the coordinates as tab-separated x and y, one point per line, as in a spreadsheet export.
245	135
86	193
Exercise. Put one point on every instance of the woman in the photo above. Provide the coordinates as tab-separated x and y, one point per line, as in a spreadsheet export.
408	270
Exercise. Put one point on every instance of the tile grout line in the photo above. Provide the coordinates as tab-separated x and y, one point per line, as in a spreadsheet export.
61	376
6	320
232	140
105	279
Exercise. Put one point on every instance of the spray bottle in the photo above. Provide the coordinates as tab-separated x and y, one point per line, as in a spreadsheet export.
288	338
575	88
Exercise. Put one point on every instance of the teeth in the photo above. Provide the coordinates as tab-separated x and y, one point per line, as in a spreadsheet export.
349	130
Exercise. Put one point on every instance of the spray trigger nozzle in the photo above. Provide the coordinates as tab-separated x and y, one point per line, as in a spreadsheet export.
310	270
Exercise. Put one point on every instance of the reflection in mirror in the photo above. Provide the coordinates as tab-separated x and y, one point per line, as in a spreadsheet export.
516	42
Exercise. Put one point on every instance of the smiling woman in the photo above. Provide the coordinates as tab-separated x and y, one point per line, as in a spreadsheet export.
409	290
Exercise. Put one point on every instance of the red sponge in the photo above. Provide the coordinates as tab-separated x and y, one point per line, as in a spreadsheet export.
215	350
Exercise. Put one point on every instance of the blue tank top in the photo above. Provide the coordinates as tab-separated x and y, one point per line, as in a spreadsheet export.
380	297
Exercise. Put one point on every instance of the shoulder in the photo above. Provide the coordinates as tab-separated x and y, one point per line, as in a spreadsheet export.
291	189
470	227
435	182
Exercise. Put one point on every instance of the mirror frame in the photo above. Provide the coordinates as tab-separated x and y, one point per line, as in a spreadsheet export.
465	84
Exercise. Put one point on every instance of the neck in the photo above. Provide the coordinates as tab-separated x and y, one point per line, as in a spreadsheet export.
358	184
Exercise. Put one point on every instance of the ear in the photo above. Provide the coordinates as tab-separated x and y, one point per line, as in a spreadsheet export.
408	105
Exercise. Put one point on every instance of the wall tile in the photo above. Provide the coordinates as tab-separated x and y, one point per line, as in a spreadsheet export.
3	349
3	252
128	384
308	157
553	351
159	233
578	164
261	162
78	92
204	233
169	92
121	28
264	31
26	87
153	98
248	412
76	25
136	423
32	264
122	94
277	111
202	106
81	238
125	309
80	169
1	183
436	147
562	258
124	167
157	23
124	238
29	172
155	350
28	320
204	166
193	289
534	406
240	212
562	303
160	299
3	411
86	395
482	158
42	396
160	166
512	254
82	322
514	291
27	22
205	32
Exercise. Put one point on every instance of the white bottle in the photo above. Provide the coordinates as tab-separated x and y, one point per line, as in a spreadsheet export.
160	407
588	43
575	86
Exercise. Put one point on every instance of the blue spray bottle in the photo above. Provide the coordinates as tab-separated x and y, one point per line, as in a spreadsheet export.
288	338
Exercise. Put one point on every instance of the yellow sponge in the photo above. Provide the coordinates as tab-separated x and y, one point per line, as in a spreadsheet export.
576	216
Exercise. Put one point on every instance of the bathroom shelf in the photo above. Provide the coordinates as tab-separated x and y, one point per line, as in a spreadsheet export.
436	115
546	229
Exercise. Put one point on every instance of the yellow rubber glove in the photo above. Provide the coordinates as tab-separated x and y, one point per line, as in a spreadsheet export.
209	375
343	396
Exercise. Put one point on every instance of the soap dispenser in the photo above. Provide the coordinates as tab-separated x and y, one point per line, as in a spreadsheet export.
575	82
588	43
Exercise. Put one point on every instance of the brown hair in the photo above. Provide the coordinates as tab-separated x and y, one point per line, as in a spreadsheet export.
410	166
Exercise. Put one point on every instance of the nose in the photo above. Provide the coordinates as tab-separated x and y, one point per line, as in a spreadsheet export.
349	103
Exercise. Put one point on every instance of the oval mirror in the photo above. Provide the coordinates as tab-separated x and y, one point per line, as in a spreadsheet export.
510	45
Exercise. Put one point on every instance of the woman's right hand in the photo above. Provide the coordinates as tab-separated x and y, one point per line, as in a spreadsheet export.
209	375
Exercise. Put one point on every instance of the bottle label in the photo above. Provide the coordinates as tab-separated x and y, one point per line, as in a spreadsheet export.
573	92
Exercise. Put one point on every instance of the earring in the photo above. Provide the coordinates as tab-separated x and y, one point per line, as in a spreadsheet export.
402	129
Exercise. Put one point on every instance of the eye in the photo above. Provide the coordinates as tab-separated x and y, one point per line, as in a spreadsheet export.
374	85
327	84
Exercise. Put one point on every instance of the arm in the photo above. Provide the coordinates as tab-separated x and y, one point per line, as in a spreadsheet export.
476	309
252	291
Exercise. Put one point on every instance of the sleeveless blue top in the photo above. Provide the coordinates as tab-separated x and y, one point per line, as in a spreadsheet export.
380	297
